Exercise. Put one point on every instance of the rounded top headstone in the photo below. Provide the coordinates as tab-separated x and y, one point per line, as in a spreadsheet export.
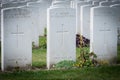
109	0
115	5
61	3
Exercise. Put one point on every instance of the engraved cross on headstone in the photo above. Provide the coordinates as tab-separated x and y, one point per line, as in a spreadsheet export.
62	32
17	33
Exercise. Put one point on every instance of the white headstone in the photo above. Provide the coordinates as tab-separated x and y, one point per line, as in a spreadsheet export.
85	21
103	33
108	3
101	0
8	5
42	8
16	39
78	5
96	3
117	8
15	4
115	0
0	23
5	1
72	3
31	2
34	18
94	0
60	33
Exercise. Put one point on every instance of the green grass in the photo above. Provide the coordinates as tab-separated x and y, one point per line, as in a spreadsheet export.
39	58
42	42
99	73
